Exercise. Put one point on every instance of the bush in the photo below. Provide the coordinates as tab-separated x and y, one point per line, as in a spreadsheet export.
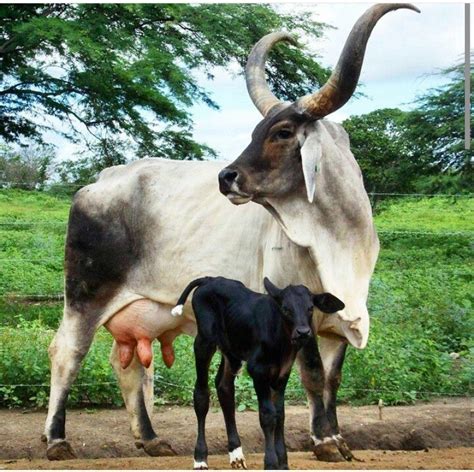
420	304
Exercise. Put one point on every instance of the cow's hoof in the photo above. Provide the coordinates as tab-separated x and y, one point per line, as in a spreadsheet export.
157	447
328	452
344	449
60	451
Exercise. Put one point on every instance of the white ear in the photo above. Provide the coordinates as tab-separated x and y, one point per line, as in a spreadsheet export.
310	158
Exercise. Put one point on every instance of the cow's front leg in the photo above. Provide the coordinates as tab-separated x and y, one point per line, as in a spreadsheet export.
136	384
333	351
313	379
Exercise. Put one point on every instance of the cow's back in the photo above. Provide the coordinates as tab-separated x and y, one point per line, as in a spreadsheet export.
152	226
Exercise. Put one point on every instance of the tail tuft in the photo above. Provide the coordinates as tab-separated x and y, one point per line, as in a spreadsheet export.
177	310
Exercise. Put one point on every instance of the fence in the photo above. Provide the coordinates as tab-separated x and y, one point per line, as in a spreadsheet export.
40	298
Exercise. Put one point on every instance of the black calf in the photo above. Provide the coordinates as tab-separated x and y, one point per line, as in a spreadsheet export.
266	331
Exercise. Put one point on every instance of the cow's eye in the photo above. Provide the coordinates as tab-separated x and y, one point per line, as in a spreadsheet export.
284	134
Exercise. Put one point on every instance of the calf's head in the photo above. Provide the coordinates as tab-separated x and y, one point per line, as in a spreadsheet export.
297	303
283	155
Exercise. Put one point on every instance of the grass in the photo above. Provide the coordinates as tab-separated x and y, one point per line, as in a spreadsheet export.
420	303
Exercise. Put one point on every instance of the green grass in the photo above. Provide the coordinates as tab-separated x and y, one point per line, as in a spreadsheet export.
420	303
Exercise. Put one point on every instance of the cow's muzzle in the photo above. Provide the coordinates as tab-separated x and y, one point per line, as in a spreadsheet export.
228	185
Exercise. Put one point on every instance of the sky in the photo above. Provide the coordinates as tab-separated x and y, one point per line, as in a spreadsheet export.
404	53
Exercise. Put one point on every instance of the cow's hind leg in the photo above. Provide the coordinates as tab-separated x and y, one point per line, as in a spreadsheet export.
136	384
226	393
66	351
313	379
203	352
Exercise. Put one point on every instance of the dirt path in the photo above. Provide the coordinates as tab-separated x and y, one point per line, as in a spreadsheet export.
457	458
102	440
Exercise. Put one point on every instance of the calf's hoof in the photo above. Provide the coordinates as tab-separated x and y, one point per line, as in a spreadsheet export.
156	447
60	451
202	465
328	452
237	459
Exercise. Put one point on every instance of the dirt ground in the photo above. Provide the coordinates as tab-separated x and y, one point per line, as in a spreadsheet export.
436	435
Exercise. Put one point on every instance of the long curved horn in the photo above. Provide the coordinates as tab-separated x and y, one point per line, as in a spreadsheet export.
343	81
257	85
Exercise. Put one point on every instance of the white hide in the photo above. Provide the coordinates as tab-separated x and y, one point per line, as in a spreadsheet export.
194	231
310	157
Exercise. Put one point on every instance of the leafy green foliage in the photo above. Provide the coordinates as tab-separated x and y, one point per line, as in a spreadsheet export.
125	74
417	151
384	154
420	304
437	124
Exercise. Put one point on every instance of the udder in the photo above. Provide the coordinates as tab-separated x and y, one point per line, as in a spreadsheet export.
136	326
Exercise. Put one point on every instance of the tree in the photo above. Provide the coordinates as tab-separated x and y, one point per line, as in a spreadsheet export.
420	150
122	76
437	123
25	167
388	160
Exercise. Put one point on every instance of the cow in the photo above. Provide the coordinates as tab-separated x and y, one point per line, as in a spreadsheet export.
266	331
296	211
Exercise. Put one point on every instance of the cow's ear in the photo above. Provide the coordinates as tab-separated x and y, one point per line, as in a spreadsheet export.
327	302
272	290
310	158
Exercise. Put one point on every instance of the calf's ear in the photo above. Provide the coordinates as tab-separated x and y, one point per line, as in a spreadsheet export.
272	290
327	302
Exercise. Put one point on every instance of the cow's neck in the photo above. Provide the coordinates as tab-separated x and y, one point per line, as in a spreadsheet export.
337	233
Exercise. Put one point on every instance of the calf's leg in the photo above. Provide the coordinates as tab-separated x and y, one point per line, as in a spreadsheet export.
266	411
203	352
226	394
279	402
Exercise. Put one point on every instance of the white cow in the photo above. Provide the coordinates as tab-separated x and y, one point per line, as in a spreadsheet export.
139	234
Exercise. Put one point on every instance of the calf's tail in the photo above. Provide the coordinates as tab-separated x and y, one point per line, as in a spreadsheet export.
178	309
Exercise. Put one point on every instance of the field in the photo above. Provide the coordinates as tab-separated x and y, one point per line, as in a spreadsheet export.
420	303
420	348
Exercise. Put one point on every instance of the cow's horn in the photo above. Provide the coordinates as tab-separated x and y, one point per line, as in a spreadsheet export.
257	85
343	81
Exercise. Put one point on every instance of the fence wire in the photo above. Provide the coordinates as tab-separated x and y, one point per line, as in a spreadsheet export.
159	381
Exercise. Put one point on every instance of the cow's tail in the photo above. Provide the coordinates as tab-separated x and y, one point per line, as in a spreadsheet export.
178	309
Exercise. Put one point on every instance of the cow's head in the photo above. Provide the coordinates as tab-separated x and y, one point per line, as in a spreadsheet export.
283	155
297	304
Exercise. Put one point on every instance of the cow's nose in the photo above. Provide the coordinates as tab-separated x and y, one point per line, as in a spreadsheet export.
226	179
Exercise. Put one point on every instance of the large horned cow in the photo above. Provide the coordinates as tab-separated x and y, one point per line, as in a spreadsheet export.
139	234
